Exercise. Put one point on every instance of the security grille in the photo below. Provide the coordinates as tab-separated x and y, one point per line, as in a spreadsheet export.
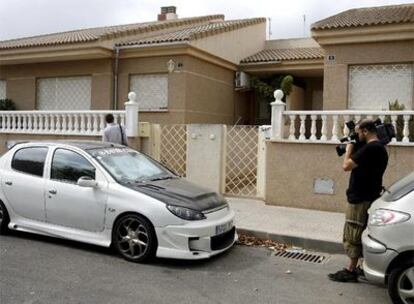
64	93
372	87
301	256
173	149
241	161
3	89
151	90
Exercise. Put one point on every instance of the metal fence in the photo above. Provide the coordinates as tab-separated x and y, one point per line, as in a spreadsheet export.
241	161
173	148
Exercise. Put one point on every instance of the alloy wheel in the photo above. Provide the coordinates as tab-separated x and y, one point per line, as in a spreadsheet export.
406	286
132	238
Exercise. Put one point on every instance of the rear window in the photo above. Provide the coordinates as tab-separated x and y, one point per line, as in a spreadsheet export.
399	189
30	160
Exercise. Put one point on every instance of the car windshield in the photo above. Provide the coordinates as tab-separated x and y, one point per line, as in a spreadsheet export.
127	165
400	188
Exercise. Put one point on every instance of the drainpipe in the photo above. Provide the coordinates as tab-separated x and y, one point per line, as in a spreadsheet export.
116	63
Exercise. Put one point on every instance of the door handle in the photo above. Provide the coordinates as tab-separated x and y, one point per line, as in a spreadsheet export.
9	183
52	191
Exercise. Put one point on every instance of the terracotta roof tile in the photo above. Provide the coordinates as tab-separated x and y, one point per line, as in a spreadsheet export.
94	34
276	55
391	14
197	31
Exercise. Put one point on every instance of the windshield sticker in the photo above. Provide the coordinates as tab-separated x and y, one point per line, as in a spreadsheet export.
109	151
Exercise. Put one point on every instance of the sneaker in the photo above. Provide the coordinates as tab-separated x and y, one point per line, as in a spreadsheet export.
361	274
344	276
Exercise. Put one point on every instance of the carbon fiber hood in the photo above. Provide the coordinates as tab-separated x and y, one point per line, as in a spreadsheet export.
180	192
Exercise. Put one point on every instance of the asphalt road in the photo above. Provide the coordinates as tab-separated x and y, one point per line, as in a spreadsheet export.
42	270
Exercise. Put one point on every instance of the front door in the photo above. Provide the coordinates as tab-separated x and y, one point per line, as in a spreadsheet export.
23	182
68	204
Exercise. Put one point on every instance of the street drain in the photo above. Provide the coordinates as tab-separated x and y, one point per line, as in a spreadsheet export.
300	256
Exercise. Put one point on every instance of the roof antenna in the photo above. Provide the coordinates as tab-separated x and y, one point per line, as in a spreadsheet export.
270	28
304	25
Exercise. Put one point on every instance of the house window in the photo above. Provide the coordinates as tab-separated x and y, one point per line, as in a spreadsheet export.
151	90
64	93
372	87
2	89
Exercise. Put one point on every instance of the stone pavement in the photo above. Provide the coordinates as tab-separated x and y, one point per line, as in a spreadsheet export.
310	229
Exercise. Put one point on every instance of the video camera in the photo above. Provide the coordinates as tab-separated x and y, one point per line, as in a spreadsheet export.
385	133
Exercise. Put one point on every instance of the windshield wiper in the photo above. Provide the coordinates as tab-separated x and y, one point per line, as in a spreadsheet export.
162	178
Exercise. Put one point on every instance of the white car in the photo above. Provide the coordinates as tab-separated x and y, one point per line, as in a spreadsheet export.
105	194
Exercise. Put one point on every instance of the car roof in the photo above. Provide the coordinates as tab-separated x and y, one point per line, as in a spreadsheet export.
80	144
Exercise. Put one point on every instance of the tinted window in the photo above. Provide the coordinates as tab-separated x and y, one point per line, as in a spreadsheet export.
69	166
30	160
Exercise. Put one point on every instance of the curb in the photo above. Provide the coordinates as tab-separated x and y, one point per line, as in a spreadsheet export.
306	243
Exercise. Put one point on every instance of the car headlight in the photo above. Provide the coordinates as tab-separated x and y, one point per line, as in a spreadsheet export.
382	217
185	213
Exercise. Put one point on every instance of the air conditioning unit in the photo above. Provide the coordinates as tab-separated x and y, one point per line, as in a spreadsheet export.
241	81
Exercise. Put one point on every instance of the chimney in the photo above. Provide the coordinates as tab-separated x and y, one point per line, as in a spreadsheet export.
168	13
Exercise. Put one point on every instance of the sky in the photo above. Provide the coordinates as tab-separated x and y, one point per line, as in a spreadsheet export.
23	18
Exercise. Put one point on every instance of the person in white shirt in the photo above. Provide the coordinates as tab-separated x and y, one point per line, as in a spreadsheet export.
114	132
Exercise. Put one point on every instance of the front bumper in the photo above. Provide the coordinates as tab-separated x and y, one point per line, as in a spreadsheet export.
198	239
377	258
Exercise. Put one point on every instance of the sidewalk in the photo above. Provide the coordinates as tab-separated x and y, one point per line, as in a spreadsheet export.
310	229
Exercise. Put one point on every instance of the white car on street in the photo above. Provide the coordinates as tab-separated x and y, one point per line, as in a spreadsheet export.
106	194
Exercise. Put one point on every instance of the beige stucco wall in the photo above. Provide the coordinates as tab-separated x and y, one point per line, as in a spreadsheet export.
296	99
198	91
235	45
291	169
336	73
21	80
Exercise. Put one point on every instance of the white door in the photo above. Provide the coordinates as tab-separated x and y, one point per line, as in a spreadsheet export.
68	204
23	182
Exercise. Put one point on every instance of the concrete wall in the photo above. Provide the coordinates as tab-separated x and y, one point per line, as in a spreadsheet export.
291	170
198	91
236	44
336	73
296	99
21	80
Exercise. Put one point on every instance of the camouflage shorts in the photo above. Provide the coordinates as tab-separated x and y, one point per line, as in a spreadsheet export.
356	218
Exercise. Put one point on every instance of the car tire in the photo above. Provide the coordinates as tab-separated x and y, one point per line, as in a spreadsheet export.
4	219
398	281
134	238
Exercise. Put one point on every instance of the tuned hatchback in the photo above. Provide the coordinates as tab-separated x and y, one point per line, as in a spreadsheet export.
107	194
388	241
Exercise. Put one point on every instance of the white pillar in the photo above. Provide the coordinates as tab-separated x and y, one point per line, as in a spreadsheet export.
131	111
278	107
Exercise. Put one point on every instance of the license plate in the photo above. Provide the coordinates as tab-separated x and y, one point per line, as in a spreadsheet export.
224	227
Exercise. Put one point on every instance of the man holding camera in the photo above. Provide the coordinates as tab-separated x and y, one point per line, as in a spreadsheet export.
367	166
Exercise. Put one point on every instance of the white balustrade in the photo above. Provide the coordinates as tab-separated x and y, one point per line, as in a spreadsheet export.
403	122
335	121
88	123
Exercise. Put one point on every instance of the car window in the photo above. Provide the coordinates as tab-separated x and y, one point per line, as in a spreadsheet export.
400	188
128	165
69	166
30	160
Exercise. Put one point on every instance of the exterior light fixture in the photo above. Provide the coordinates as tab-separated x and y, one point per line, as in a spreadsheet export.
170	66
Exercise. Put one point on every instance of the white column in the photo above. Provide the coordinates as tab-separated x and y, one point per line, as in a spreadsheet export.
335	128
324	128
302	128
131	111
313	127
394	124
278	107
406	130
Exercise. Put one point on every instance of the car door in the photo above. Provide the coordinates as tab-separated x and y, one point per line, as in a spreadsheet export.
68	204
23	182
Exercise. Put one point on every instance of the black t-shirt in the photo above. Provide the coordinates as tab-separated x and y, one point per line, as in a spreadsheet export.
365	183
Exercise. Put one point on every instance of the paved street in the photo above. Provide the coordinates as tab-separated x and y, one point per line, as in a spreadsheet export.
42	270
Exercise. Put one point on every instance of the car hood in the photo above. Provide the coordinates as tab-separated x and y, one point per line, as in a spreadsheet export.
179	192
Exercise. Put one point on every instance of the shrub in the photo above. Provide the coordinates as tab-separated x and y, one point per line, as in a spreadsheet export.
7	105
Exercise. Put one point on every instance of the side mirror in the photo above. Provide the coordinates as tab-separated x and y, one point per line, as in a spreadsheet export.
86	181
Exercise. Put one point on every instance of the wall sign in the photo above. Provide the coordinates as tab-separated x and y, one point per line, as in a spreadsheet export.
324	186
